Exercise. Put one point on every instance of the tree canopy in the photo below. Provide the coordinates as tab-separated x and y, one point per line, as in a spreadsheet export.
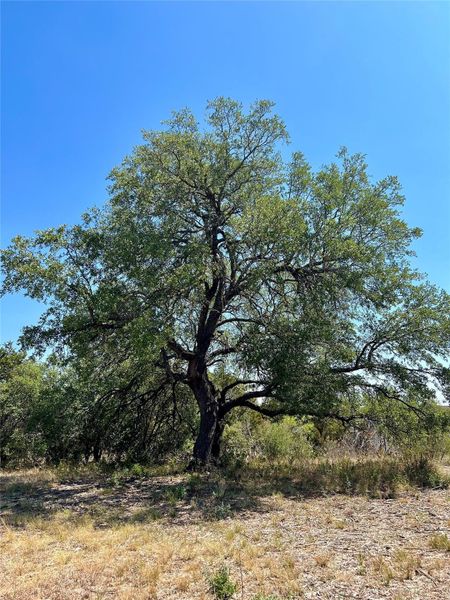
219	270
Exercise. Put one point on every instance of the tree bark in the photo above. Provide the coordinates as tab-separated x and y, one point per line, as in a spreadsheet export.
215	450
209	418
205	438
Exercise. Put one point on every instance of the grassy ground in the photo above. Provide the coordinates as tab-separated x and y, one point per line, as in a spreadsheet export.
342	530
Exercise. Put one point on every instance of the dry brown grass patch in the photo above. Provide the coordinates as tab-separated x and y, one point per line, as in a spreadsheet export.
81	543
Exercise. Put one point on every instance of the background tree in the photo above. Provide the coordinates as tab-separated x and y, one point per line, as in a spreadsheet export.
50	412
21	382
218	268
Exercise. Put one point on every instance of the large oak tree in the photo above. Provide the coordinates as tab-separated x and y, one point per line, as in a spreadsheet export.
220	268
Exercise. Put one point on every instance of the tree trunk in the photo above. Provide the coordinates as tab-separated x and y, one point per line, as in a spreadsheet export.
97	452
209	418
205	437
215	449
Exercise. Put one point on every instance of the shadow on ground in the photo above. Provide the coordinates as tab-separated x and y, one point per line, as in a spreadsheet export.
175	498
183	499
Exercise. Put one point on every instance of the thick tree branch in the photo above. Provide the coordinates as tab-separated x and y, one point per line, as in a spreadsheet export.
231	386
222	352
243	400
267	412
180	351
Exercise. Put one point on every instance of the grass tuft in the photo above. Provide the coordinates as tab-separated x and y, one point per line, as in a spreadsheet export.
440	541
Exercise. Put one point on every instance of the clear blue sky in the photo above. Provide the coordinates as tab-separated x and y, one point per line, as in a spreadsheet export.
80	80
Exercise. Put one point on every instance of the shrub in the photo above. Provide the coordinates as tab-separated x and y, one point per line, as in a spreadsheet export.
379	477
137	470
285	439
238	443
175	494
221	585
256	438
387	427
421	471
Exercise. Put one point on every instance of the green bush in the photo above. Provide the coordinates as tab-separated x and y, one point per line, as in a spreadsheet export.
420	471
386	426
221	585
238	444
256	438
285	439
22	382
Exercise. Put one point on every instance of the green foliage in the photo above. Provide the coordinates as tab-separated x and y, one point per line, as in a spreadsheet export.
51	413
176	494
221	585
285	439
220	275
420	471
251	437
381	477
418	428
415	430
21	385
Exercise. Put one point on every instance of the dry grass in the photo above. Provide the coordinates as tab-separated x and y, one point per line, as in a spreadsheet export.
162	537
440	541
